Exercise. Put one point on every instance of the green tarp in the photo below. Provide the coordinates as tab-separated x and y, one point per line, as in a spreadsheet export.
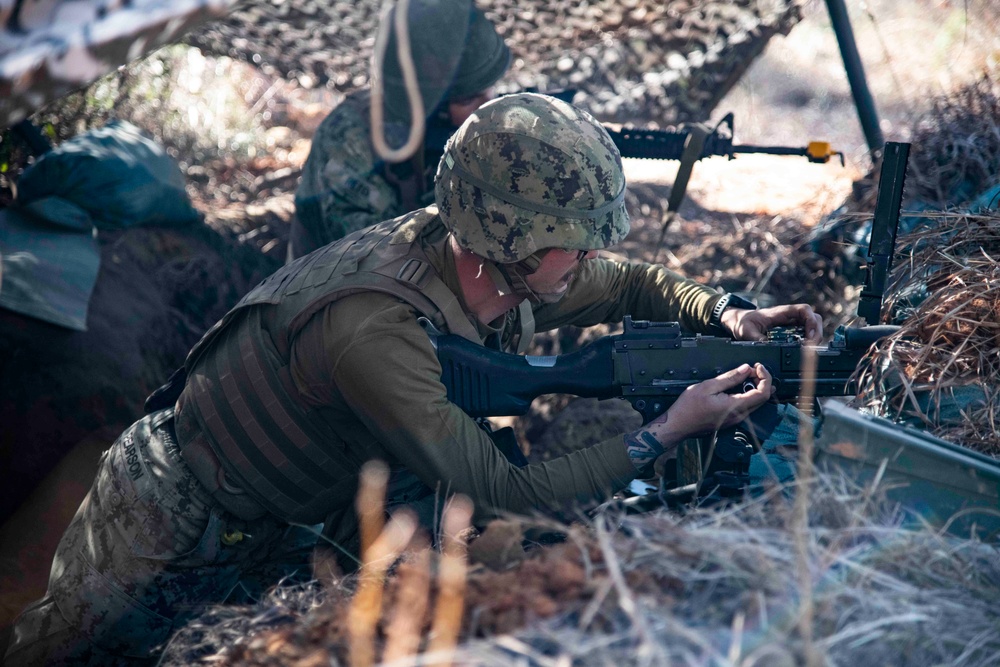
110	178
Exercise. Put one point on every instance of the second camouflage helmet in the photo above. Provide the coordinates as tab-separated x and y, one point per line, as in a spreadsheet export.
528	172
485	58
455	49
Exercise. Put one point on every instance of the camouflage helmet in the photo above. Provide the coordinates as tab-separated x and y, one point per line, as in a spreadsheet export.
528	172
472	58
484	60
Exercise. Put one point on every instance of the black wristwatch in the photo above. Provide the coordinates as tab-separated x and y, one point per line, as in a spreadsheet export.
728	301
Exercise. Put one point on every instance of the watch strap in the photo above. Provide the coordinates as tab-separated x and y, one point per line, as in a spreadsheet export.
728	300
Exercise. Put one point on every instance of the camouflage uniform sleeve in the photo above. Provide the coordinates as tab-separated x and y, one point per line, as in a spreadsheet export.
607	291
342	187
383	383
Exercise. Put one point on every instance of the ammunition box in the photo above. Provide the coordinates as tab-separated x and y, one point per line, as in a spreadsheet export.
938	482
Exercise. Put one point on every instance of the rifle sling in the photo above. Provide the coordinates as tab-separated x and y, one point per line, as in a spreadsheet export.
698	133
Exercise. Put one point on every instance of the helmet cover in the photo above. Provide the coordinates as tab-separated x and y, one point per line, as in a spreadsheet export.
528	172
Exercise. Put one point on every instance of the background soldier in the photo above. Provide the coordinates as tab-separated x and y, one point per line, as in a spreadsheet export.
325	366
344	185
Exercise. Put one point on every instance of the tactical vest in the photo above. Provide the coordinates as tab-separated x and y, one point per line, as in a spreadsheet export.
239	387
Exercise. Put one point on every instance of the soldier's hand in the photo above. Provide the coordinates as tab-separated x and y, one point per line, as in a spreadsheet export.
754	324
712	404
704	407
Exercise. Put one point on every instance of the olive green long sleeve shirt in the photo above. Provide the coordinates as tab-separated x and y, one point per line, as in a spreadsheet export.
366	365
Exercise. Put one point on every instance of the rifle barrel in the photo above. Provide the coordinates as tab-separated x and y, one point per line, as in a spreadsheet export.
770	150
664	144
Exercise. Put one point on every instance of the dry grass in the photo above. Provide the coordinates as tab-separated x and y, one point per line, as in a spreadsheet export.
950	340
957	143
709	587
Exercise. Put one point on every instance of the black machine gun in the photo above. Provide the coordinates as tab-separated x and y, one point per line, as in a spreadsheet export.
651	363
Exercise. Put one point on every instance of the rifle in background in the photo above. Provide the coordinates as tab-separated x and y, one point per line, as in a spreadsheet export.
718	142
688	144
634	142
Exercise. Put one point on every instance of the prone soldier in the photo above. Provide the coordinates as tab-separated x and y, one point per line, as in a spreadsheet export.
324	366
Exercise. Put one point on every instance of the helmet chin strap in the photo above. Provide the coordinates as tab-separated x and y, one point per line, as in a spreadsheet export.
506	275
510	278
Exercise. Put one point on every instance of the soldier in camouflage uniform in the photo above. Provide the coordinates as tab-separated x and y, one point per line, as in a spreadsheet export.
345	186
325	366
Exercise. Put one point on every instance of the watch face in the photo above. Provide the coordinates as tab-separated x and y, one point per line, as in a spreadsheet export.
739	302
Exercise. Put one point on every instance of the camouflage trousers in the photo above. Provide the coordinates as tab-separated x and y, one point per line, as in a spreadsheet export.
147	551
